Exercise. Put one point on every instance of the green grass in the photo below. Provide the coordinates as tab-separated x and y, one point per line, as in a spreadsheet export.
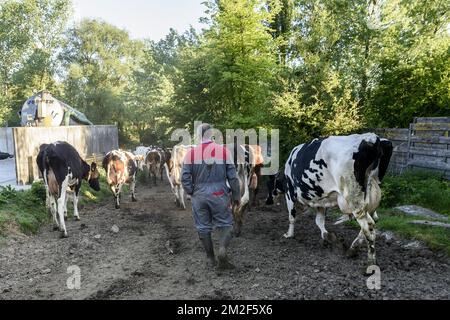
436	238
25	211
422	188
22	211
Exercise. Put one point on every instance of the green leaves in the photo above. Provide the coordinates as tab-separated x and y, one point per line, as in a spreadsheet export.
308	67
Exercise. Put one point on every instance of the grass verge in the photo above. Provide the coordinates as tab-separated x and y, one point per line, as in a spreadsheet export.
422	188
25	212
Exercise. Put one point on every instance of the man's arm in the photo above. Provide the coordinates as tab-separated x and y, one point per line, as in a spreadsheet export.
186	179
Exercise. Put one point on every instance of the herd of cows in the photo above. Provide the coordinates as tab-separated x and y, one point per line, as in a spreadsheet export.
338	171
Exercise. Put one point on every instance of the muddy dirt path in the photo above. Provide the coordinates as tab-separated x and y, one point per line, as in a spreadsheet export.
156	255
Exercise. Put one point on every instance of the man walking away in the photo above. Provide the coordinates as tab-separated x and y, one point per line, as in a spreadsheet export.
206	169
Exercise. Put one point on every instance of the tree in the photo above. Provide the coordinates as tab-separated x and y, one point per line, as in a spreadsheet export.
228	78
100	60
30	34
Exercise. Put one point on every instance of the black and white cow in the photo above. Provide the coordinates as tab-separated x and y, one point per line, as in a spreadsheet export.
276	185
244	163
63	171
339	171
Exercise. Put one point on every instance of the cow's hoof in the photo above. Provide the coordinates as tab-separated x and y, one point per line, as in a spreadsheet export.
63	235
288	236
351	253
77	219
133	199
55	228
330	237
117	206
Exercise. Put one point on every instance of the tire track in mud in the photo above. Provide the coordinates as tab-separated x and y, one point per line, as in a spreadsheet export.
136	262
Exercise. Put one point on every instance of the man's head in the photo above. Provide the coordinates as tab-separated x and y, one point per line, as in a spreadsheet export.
204	131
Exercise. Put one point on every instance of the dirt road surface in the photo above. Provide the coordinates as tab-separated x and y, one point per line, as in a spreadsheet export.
156	255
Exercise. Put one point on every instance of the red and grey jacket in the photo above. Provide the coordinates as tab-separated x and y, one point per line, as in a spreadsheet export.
206	170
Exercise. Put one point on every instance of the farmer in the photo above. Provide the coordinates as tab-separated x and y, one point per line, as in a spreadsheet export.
206	169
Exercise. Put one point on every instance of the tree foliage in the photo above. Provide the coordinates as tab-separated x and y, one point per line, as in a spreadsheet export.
308	67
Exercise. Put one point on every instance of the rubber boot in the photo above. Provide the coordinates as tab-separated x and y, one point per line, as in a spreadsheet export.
225	235
206	240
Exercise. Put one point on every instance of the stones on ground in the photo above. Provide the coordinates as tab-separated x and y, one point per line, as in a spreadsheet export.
431	223
87	244
413	210
97	236
257	270
115	229
46	271
413	245
169	247
388	236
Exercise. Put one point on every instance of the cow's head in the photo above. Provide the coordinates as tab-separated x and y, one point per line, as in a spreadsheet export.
93	177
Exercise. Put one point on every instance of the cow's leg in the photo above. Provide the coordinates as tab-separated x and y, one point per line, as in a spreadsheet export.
367	225
133	189
47	193
292	214
75	203
352	251
375	216
239	214
320	222
255	184
116	192
166	167
177	197
181	195
149	176
54	211
61	205
65	206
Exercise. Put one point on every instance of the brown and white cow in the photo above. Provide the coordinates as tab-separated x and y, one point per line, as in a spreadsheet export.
121	168
174	168
154	161
63	170
255	161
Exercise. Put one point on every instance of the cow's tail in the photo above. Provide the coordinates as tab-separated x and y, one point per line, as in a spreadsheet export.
372	178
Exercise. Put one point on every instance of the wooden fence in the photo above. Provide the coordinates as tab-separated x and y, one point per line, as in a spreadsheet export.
425	145
92	142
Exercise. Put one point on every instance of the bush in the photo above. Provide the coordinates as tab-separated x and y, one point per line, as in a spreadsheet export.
424	188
